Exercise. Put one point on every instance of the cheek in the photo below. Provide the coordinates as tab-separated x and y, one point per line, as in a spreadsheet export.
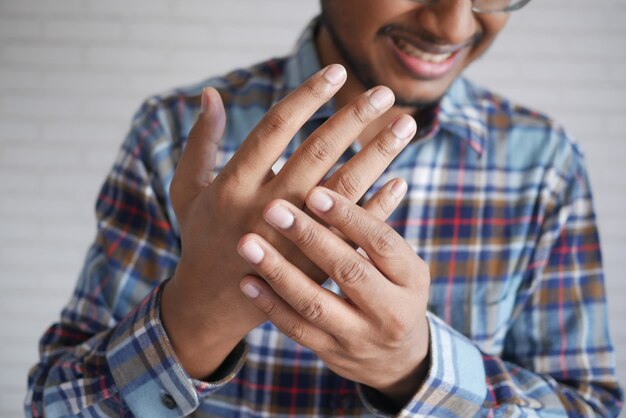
491	25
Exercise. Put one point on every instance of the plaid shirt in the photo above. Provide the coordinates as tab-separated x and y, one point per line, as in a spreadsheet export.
498	205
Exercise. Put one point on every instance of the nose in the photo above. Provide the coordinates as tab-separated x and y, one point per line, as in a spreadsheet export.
450	22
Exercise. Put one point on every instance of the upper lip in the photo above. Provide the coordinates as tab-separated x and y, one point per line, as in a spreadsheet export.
423	41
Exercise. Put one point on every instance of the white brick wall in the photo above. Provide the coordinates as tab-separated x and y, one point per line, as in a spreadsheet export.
72	72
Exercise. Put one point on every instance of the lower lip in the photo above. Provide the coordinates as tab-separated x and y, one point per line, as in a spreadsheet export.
421	69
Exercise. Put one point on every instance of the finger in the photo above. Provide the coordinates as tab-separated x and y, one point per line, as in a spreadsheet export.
381	204
195	167
268	139
315	157
385	201
356	176
285	318
385	247
354	274
314	303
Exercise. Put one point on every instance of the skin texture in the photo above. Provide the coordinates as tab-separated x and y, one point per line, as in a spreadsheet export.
382	340
267	245
202	308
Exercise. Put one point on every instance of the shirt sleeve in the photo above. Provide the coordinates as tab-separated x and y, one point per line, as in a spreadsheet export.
558	359
109	354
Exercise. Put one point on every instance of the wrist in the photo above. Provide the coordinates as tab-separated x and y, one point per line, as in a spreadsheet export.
402	390
199	338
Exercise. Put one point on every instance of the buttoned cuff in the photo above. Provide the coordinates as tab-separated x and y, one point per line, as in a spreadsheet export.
146	371
455	384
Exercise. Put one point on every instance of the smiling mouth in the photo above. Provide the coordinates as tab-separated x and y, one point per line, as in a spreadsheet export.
423	61
414	51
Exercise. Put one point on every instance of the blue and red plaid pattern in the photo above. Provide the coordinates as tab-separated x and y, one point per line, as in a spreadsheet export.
498	205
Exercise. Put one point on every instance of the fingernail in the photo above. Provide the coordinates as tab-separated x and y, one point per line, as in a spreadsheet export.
203	101
320	201
280	216
250	290
381	98
252	252
335	74
403	128
398	189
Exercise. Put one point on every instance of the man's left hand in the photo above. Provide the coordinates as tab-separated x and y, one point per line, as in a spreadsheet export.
377	335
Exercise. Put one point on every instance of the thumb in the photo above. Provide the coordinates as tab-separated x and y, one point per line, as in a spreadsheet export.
195	168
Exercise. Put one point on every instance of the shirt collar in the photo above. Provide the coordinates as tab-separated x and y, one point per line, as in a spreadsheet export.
462	114
458	113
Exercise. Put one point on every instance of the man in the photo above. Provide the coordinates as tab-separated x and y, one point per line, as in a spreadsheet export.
485	298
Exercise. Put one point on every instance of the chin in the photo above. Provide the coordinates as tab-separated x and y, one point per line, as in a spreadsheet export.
418	93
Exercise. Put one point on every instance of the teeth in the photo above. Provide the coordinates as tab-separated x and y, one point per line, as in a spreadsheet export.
418	53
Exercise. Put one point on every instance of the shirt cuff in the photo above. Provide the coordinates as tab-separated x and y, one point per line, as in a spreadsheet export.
147	372
455	384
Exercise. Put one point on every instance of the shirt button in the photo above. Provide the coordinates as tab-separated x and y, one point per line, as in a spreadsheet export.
168	401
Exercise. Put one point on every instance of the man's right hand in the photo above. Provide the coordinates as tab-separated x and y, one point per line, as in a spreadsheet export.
202	309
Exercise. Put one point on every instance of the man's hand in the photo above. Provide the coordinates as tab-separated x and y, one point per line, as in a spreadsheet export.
202	309
379	335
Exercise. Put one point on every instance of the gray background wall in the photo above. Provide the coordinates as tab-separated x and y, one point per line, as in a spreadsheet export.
72	72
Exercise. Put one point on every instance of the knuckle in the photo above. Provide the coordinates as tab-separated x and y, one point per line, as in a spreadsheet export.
385	148
229	180
313	309
385	205
313	90
295	331
275	274
270	308
275	121
385	241
346	216
359	113
351	272
348	185
307	237
318	149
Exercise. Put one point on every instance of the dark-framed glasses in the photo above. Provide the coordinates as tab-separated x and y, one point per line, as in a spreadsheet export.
489	6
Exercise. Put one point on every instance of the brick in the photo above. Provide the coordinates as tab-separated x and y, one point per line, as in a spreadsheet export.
595	98
48	156
126	58
617	125
618	72
69	184
83	31
167	34
19	29
12	181
11	80
42	7
73	131
42	55
49	257
79	82
12	131
39	105
120	108
147	84
128	9
70	234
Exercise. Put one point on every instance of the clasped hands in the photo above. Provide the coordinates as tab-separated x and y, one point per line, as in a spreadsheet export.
274	237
